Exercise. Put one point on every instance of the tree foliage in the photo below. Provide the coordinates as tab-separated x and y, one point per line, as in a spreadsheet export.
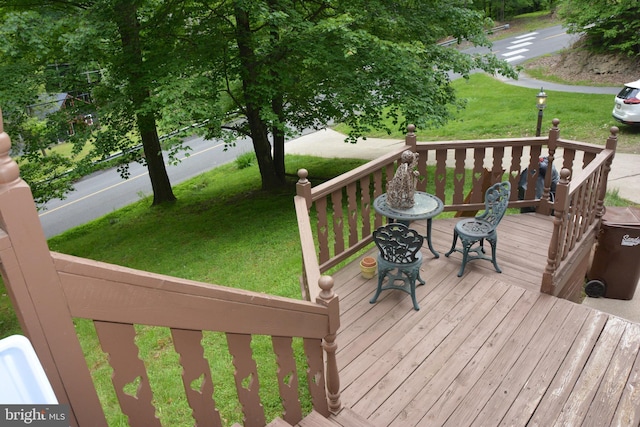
290	65
502	10
259	68
609	26
97	51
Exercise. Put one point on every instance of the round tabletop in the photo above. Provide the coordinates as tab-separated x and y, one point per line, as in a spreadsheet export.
426	206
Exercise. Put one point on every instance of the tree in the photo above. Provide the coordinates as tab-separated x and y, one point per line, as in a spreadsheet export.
291	65
108	34
609	26
268	68
27	45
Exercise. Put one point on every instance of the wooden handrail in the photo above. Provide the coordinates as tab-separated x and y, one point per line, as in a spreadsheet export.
578	209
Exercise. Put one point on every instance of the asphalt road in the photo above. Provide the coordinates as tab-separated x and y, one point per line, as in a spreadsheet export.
104	192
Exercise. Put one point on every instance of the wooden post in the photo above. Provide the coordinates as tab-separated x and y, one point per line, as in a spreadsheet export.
36	294
561	208
303	186
410	139
612	143
330	300
545	202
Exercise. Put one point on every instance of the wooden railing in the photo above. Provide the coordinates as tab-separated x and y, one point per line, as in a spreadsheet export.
577	213
49	291
458	172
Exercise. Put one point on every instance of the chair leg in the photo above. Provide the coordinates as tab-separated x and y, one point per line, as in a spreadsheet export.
381	276
453	245
494	245
465	257
413	292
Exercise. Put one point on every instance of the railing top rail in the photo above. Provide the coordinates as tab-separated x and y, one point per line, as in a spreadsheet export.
69	264
480	143
582	175
577	145
326	188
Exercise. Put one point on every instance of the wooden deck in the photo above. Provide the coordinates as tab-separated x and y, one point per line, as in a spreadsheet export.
485	349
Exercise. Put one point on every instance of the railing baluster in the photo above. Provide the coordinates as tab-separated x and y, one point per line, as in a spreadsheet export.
352	213
195	369
514	171
338	222
378	189
478	175
246	377
534	160
130	378
595	193
441	173
498	159
315	375
568	155
322	229
365	205
424	179
459	176
287	379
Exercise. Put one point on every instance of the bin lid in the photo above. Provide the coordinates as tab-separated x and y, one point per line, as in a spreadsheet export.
616	215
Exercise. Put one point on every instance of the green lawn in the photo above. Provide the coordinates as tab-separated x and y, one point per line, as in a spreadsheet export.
498	110
223	229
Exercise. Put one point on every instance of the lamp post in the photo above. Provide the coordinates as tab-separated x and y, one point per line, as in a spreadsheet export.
541	103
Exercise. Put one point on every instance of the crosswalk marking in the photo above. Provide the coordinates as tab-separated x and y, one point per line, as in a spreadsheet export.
516	46
514	58
515	52
524	40
526	35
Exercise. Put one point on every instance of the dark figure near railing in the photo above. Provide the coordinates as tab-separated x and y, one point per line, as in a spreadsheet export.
543	165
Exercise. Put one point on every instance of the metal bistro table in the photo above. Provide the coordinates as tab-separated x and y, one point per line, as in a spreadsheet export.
426	206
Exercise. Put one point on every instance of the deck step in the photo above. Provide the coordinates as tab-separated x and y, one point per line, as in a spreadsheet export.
278	422
315	419
345	418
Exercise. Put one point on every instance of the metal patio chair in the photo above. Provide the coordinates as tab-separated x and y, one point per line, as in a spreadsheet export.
399	259
473	231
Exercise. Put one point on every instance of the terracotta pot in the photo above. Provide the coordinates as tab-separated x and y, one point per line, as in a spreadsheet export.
368	267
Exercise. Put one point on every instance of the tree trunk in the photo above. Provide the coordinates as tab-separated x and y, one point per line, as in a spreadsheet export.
129	27
250	85
162	191
278	139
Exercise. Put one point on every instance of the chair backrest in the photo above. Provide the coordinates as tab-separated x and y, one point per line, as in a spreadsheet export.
496	200
398	243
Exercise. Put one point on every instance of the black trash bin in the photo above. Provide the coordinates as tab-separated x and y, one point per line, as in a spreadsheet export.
615	269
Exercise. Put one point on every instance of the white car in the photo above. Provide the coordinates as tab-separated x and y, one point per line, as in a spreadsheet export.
626	107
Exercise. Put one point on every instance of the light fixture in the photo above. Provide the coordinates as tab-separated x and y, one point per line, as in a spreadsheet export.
541	100
541	103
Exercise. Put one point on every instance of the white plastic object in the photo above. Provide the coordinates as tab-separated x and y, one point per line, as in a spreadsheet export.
22	378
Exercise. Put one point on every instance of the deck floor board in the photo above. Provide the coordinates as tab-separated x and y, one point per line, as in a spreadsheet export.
486	348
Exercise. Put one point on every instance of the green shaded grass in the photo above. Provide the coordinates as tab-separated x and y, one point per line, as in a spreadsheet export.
499	110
